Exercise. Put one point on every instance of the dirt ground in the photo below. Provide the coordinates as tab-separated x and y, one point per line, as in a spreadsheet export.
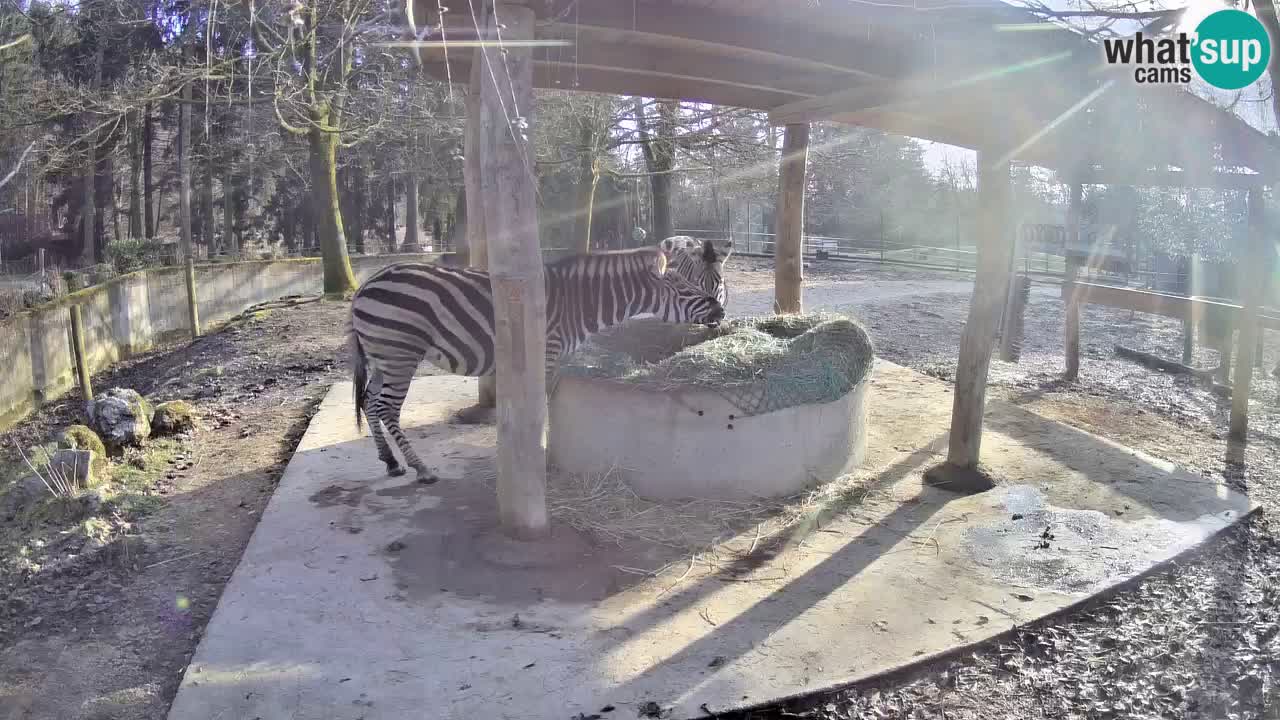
109	637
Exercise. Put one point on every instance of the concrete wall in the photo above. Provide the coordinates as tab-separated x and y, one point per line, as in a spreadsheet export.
134	312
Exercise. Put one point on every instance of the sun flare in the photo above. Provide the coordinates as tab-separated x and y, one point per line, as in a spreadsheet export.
1198	10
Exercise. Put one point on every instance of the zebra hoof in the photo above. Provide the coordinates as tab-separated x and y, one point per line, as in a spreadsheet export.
426	477
395	470
475	415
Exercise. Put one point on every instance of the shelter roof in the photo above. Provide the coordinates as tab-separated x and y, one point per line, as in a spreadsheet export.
973	73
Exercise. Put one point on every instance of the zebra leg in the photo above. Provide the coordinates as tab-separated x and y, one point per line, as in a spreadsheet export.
372	401
481	413
394	468
390	399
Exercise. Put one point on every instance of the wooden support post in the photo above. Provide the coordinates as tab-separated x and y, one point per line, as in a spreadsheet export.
477	247
1009	339
990	287
510	217
1072	329
788	254
1252	270
193	310
78	352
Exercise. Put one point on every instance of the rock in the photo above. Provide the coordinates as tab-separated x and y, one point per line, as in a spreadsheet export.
120	417
22	496
172	418
93	502
80	437
75	466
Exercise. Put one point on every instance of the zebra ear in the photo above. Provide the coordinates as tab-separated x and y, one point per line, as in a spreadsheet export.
660	262
708	252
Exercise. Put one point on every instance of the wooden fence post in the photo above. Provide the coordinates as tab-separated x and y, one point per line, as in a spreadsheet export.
193	311
1072	328
78	352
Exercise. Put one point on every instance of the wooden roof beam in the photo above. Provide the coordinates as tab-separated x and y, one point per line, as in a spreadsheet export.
677	64
920	88
1167	178
873	57
610	81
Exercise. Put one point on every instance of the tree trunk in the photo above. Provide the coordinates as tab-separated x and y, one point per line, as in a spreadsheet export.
357	206
659	156
206	201
135	180
289	228
411	242
458	230
148	184
391	214
88	206
112	207
229	244
184	174
88	213
662	225
586	187
323	146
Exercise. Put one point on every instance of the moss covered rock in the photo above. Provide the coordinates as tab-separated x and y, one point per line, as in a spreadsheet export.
82	437
120	417
173	417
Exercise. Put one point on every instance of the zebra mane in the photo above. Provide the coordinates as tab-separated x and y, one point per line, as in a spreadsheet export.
637	260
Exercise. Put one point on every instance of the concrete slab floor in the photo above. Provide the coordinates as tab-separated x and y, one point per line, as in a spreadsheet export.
363	596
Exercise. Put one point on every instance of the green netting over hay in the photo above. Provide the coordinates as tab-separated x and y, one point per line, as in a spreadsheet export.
758	364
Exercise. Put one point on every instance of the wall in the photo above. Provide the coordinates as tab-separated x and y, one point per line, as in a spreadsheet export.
134	312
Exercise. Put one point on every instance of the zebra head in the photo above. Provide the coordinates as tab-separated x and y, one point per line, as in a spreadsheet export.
712	254
681	301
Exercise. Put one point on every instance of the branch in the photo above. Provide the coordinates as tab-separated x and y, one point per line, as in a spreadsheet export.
18	165
284	124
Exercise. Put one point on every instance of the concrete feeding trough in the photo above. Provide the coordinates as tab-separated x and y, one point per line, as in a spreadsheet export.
754	408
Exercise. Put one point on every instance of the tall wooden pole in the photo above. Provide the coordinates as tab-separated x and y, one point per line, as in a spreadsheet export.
1252	269
1072	329
510	217
990	287
788	257
477	247
78	353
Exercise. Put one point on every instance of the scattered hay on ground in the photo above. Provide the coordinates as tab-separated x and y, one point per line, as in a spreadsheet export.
706	531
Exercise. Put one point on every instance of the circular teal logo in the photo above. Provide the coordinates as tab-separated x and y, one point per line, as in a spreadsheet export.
1231	49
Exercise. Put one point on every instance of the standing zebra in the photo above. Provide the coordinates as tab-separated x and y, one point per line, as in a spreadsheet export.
410	311
699	263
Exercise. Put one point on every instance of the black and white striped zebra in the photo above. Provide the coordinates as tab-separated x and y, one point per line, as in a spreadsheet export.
410	311
700	263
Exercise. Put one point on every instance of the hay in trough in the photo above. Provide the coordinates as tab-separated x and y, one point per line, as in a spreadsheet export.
758	364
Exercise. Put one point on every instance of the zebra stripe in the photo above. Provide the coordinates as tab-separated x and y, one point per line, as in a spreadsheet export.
408	312
699	263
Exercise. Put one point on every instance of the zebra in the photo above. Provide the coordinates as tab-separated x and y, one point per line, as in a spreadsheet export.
699	263
410	311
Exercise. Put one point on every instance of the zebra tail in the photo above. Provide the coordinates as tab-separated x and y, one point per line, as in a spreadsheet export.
360	377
